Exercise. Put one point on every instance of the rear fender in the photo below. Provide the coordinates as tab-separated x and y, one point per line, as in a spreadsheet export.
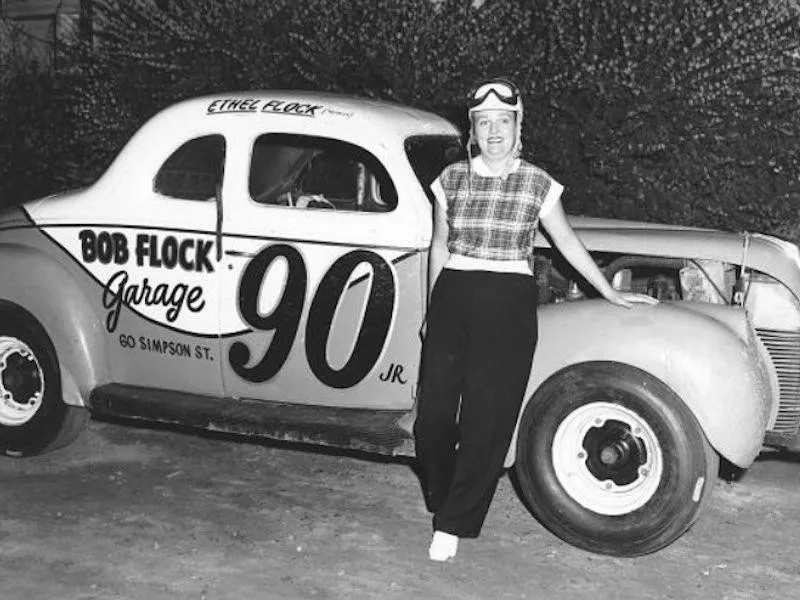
709	357
36	282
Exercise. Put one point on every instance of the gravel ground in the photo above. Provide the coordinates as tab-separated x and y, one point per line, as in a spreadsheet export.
136	513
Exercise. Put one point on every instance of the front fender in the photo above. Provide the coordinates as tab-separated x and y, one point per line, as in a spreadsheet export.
710	358
37	282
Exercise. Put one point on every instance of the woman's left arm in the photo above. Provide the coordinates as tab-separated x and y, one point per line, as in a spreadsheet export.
555	221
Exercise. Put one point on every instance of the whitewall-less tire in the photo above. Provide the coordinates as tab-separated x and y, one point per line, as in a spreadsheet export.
611	460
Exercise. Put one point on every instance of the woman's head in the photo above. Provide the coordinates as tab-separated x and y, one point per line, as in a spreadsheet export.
495	110
495	132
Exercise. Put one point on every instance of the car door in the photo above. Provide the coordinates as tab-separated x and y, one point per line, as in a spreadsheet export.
162	301
320	282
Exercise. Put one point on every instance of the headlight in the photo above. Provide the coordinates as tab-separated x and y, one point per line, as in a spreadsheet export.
771	305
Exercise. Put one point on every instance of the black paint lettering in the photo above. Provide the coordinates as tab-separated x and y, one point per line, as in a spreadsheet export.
396	375
105	248
183	259
118	292
283	321
88	239
189	254
393	374
249	104
374	326
194	300
158	295
120	248
161	346
142	248
112	299
169	252
154	260
285	318
175	301
201	260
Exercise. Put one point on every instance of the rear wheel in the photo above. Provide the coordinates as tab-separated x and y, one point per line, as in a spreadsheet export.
611	460
33	416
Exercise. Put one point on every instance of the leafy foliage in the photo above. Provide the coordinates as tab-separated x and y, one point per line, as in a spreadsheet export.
681	111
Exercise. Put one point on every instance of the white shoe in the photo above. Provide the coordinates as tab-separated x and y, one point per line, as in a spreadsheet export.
443	546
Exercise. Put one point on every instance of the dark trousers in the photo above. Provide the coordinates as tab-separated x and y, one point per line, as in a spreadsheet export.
476	359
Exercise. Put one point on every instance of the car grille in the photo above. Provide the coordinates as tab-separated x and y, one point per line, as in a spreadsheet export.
784	349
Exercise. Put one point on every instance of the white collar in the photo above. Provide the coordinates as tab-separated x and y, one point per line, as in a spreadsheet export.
479	167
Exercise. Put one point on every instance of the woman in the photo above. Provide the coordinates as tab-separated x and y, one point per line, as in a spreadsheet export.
481	326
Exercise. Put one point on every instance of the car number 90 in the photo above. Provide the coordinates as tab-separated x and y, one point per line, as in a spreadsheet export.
284	320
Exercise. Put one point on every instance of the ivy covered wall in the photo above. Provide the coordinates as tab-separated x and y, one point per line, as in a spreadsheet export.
683	111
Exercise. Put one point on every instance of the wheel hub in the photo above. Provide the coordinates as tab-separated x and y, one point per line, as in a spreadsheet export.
614	453
607	458
21	382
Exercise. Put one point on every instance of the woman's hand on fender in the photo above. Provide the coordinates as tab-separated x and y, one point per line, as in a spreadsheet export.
628	299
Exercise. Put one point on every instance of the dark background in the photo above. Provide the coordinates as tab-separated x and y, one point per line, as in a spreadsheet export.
683	111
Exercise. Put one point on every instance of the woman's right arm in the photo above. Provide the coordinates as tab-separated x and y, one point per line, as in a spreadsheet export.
439	252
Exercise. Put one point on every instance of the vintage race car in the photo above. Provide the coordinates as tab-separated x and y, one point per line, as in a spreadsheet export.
256	263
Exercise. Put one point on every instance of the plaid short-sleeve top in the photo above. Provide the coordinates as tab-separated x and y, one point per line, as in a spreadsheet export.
498	220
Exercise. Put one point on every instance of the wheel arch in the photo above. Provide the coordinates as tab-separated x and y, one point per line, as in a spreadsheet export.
712	362
53	299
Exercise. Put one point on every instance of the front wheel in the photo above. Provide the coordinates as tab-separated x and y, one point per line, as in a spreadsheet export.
611	460
33	416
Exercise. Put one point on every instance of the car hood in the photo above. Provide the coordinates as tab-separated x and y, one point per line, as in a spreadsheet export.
599	223
771	255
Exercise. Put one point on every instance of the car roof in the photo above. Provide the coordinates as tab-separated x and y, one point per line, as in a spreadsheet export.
352	112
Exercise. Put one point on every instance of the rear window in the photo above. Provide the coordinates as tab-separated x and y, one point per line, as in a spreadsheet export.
194	170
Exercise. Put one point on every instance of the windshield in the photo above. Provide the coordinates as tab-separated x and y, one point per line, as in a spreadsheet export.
430	154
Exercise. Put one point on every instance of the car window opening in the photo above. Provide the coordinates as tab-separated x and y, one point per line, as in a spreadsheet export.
194	170
310	172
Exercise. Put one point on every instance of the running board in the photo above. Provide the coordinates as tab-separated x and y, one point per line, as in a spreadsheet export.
376	431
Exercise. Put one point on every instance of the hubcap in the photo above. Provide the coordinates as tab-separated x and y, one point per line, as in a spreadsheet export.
607	458
21	382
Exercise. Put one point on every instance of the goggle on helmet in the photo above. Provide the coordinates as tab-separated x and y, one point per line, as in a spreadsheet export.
495	94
